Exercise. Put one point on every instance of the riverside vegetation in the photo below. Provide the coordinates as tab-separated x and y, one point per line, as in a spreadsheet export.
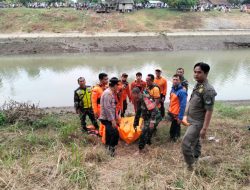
148	20
46	150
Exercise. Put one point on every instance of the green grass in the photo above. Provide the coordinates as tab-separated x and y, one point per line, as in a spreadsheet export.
38	20
228	111
147	20
2	118
55	154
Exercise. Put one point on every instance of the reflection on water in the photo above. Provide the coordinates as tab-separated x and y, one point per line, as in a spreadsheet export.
50	81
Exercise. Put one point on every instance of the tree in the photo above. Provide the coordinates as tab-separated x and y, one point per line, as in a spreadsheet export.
186	4
182	4
246	2
235	2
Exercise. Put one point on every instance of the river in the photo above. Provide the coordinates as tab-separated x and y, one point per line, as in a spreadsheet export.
51	80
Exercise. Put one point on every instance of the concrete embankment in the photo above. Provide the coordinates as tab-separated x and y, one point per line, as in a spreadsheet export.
57	43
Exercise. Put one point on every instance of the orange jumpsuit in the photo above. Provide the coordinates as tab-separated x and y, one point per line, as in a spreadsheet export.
162	83
123	93
96	99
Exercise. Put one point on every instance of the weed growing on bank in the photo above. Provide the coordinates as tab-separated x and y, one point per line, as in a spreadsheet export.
51	152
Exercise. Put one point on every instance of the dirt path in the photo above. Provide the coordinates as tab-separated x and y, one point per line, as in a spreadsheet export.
207	32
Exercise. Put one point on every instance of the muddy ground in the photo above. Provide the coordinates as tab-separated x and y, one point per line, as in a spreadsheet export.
52	43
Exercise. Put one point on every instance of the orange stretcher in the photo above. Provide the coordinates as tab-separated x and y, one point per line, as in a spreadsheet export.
126	130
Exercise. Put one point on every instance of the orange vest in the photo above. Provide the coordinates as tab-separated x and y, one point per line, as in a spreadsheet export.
162	83
122	95
96	98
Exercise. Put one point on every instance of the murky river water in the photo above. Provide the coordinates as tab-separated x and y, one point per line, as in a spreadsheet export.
51	80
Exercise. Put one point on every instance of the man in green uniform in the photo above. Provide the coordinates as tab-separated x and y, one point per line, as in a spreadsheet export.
150	114
199	112
83	105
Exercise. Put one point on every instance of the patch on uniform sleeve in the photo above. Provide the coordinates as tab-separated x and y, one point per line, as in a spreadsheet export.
209	97
209	101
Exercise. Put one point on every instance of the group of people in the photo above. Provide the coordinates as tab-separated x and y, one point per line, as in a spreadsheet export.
107	102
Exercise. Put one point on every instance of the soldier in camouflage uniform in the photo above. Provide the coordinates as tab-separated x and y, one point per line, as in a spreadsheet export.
199	113
151	118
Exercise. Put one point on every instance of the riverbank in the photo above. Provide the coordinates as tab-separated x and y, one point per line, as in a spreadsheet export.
70	109
63	20
51	153
53	43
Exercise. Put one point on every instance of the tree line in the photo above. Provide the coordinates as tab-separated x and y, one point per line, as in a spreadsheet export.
180	4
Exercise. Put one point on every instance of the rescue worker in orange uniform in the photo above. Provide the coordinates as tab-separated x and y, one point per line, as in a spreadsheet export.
124	92
97	92
139	83
162	83
177	106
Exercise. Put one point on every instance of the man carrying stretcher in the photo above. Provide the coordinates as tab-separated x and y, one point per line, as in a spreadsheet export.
150	113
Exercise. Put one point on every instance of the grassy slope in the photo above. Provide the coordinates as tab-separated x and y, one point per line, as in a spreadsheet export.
67	20
53	154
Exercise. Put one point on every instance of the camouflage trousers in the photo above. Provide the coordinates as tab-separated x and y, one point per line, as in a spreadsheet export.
191	147
146	135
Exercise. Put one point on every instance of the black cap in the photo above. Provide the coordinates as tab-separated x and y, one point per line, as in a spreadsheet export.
113	81
124	75
138	74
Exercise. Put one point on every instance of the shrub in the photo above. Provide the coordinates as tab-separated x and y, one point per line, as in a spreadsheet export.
227	111
2	118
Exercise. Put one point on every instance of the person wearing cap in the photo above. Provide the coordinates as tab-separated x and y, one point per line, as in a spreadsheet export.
184	82
162	83
139	83
123	93
83	105
109	117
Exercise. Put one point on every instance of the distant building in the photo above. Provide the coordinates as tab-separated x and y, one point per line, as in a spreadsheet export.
111	4
2	5
219	2
155	4
125	5
214	3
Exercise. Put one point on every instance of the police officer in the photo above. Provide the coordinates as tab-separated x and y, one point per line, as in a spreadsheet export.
82	104
109	116
199	113
151	117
